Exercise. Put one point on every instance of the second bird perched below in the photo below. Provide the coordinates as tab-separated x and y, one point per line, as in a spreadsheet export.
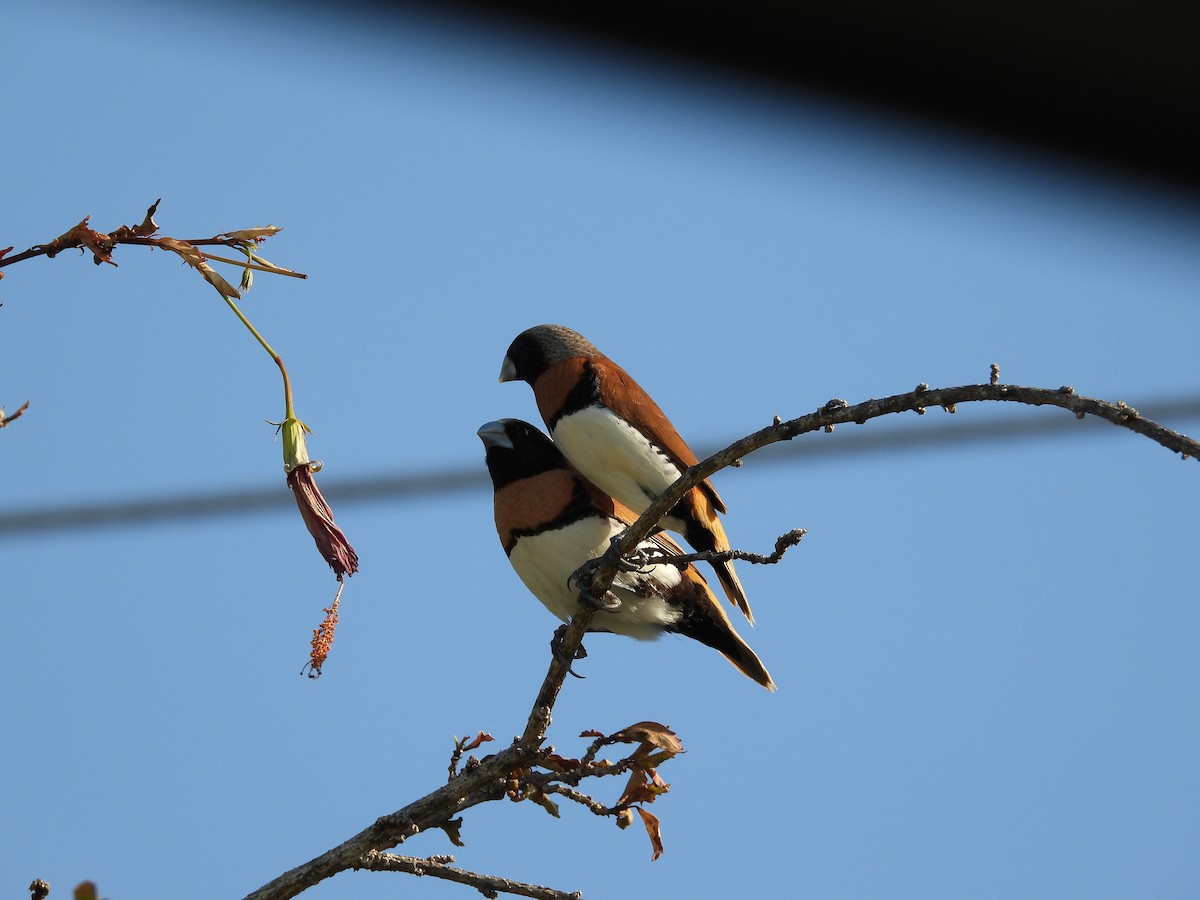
610	429
551	521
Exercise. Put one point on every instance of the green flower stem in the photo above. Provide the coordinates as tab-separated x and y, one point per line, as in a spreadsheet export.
289	412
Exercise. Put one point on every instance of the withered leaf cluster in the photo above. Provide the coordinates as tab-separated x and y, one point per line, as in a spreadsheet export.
559	775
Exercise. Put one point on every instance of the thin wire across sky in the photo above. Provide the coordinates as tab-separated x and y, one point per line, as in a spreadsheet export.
433	483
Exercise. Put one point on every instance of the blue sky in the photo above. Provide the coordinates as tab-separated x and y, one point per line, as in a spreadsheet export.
985	652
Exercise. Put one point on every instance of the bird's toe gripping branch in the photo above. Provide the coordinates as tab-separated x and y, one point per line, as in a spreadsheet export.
584	580
566	659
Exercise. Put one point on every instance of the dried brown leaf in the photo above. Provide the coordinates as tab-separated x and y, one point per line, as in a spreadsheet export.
648	758
148	226
196	260
652	733
637	792
214	278
560	763
544	802
482	738
190	254
263	261
99	243
653	830
642	787
260	233
453	827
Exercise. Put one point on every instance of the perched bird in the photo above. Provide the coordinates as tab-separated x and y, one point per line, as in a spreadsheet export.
611	431
551	521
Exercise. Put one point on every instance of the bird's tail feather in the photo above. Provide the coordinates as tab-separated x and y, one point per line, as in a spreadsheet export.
704	620
732	586
747	662
705	532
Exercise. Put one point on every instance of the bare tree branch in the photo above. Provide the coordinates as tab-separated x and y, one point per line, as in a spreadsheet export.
101	244
437	866
484	782
493	777
474	785
600	572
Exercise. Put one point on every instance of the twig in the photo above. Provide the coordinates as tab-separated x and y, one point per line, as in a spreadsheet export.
579	797
437	866
243	264
4	420
783	543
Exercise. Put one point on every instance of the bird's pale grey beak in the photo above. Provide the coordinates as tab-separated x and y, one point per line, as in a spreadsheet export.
508	371
494	434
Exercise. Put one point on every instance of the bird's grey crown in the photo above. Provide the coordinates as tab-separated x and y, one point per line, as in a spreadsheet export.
558	342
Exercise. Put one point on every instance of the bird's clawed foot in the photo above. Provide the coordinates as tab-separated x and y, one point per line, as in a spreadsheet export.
579	581
557	651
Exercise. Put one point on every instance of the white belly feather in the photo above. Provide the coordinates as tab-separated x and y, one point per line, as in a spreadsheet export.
546	561
615	456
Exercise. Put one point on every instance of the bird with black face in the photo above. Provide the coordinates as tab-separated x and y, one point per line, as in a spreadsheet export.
611	430
551	520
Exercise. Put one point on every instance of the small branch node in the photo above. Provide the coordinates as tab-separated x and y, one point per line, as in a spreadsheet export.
461	747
